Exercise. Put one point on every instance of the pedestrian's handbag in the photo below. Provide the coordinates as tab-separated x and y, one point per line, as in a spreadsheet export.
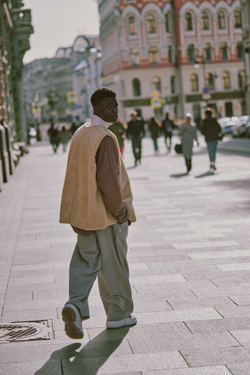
220	137
178	148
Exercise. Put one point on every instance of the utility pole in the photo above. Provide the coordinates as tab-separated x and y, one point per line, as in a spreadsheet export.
175	22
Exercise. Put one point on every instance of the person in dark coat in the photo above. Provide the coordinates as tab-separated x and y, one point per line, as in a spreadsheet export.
154	129
136	132
187	133
167	129
54	136
119	129
211	129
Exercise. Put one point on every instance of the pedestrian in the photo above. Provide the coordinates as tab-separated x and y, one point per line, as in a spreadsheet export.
154	129
136	131
73	128
64	138
187	133
119	129
97	203
167	129
54	136
211	129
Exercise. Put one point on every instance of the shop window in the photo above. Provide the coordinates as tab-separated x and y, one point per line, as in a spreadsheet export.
153	55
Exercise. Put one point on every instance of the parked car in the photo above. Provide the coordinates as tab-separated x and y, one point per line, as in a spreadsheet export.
248	129
227	124
239	130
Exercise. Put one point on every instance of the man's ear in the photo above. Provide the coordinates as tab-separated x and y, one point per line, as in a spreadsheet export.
95	109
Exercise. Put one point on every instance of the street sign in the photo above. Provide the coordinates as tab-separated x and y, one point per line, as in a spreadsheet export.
36	108
206	96
72	97
156	102
206	90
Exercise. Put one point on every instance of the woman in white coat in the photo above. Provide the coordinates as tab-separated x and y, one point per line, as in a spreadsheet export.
187	133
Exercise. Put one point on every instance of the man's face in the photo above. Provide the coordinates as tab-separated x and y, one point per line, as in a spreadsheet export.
107	110
133	116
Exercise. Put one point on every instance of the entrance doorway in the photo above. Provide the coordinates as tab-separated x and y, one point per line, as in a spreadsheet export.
229	109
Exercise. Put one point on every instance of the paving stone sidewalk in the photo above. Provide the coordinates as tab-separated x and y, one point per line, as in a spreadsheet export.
189	257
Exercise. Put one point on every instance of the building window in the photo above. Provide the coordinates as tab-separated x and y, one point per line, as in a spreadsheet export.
241	79
223	48
170	54
172	84
136	87
189	21
156	84
205	21
167	26
194	82
153	55
208	51
239	49
131	25
191	53
237	19
209	81
134	57
226	80
151	25
221	20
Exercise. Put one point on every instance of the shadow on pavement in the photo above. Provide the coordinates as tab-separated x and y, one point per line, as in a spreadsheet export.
179	175
206	174
237	184
89	359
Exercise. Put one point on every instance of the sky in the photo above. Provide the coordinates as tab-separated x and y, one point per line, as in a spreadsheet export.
58	25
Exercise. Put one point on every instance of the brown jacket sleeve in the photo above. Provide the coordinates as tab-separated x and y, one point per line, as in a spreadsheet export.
107	176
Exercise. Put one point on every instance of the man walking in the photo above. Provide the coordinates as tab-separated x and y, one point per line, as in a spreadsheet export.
136	132
211	129
97	203
167	129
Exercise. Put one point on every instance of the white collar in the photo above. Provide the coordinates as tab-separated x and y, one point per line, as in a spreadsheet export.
96	120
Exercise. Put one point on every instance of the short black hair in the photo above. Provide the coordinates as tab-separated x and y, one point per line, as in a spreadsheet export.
209	112
100	94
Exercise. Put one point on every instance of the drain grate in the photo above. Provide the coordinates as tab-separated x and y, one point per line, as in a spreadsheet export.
26	331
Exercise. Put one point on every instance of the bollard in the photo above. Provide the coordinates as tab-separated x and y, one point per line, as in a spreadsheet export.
9	148
4	155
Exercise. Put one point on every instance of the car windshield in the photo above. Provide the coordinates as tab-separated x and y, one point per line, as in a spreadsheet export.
244	119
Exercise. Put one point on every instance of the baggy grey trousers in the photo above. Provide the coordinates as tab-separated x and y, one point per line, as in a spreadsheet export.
102	254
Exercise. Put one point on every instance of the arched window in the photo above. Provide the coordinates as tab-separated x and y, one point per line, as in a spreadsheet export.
131	25
167	23
223	49
237	19
241	79
156	84
191	52
172	84
205	21
136	87
194	82
239	49
153	55
134	57
208	51
226	80
221	20
189	21
151	24
209	81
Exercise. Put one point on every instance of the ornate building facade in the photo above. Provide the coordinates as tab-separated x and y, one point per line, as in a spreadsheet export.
185	54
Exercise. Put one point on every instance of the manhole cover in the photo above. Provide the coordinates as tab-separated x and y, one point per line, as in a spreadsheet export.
26	330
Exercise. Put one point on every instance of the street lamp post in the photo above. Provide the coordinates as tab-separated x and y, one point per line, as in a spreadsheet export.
206	90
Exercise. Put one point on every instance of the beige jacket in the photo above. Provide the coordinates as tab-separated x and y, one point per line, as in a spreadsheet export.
82	205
